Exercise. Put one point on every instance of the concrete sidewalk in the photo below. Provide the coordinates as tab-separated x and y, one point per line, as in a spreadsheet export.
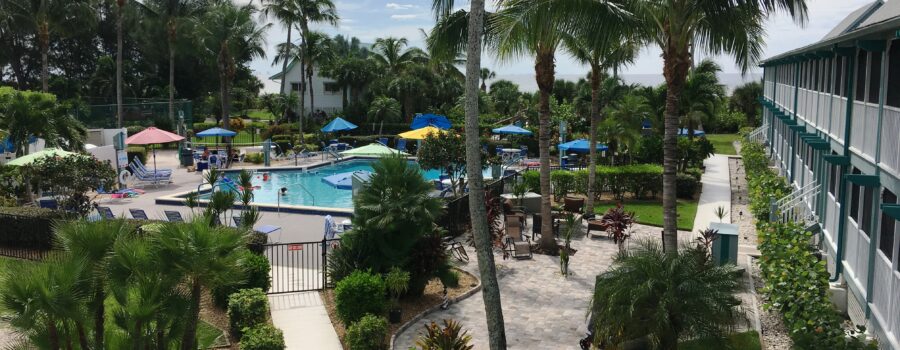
303	319
716	193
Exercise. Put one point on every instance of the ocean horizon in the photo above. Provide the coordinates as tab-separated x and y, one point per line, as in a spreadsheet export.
527	83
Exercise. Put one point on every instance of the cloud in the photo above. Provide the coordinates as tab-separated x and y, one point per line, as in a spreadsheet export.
405	17
396	6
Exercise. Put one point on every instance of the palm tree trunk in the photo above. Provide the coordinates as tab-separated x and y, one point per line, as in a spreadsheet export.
543	68
120	109
171	78
309	78
284	65
45	47
53	334
189	340
301	113
595	120
477	211
675	70
82	336
99	315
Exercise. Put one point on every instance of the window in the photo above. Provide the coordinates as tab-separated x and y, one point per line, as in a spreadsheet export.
815	76
875	78
860	91
866	215
331	87
833	183
854	199
893	88
295	87
838	76
888	224
828	87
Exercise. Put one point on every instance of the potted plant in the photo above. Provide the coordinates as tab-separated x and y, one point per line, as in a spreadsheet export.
519	191
397	283
618	224
496	165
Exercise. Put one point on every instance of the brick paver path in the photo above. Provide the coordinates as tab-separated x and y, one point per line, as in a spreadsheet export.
541	308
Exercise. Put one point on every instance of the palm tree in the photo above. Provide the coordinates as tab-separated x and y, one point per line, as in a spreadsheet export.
47	18
701	96
172	15
618	48
93	242
205	256
392	54
384	109
40	115
311	12
663	295
286	11
317	51
681	27
228	32
485	75
120	43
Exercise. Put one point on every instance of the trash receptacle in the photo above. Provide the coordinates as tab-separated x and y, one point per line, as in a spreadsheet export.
187	157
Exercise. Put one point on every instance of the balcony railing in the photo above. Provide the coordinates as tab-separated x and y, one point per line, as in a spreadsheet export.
890	140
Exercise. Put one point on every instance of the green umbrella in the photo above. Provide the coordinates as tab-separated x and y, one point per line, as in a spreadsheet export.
375	149
48	152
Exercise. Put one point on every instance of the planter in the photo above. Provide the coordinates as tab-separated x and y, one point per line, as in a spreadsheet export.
496	171
395	315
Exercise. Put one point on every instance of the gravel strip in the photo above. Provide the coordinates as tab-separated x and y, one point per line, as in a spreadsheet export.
774	334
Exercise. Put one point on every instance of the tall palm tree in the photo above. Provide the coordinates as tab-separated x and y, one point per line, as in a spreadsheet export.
120	43
47	18
701	96
383	109
229	32
663	296
616	49
311	12
469	35
38	114
205	256
317	50
394	57
486	74
683	27
93	242
286	11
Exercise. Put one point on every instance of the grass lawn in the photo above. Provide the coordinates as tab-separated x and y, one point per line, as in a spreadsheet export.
651	212
5	264
208	335
260	114
738	341
723	142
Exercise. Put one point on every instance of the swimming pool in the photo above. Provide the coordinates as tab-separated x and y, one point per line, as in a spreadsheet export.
306	188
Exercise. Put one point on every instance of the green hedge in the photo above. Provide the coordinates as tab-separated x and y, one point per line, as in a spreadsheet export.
137	151
358	294
562	182
247	308
256	268
641	180
369	333
29	227
686	186
262	337
763	184
532	179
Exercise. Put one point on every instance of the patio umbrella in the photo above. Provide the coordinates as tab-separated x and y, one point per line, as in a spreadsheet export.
216	132
511	130
419	134
152	136
47	152
374	149
338	124
423	120
580	146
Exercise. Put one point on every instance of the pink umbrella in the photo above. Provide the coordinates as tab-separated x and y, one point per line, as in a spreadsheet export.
153	136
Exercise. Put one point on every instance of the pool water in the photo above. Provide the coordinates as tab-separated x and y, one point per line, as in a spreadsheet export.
306	188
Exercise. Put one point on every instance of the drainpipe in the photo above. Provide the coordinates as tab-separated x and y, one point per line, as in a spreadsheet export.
842	216
794	112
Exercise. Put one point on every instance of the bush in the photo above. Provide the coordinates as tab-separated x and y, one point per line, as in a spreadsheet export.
254	158
686	186
139	152
639	179
697	173
262	337
256	242
134	129
29	227
563	182
359	294
247	308
369	333
256	268
427	259
450	336
532	178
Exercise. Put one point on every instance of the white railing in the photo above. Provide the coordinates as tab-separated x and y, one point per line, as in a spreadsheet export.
795	207
895	306
864	130
824	113
890	139
881	286
856	257
838	118
759	134
832	214
801	103
857	125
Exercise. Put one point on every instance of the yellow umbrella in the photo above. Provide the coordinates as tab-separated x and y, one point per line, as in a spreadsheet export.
419	134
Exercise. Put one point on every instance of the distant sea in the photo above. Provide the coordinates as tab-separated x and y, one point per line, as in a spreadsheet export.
526	81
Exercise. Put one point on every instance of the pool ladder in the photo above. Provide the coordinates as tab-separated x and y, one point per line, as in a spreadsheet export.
309	193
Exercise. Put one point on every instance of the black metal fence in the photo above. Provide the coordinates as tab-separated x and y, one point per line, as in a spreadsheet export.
456	219
300	266
24	253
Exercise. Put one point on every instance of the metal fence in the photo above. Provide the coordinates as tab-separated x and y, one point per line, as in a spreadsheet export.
456	219
300	266
138	112
24	253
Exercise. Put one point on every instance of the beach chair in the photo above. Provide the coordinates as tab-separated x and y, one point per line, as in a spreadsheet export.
401	145
48	204
106	213
173	216
140	165
264	229
138	214
536	222
516	245
383	140
145	178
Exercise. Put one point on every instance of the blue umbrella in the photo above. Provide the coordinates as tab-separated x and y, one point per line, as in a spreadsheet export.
580	146
338	124
512	130
684	132
423	120
216	132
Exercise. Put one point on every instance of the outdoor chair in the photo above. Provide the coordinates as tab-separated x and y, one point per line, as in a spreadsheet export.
140	165
139	214
48	203
595	225
516	245
573	205
383	140
173	216
536	222
264	229
106	213
401	145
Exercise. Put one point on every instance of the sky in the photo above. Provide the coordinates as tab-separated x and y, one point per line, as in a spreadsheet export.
371	19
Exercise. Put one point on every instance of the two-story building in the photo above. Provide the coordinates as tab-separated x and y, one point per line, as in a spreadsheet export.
832	127
327	94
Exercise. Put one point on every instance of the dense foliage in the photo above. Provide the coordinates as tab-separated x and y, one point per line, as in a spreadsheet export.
359	294
27	114
450	336
262	337
71	178
369	333
445	152
247	308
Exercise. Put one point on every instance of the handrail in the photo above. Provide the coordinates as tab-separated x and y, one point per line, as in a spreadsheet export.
308	192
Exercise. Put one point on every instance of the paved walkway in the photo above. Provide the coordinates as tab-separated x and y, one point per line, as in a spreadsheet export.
716	193
303	319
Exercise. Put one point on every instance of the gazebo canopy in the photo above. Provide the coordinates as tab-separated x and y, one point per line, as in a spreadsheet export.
374	149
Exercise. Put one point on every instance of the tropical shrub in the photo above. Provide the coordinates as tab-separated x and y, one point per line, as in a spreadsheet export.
563	182
369	333
358	294
447	153
763	184
428	259
257	270
686	186
262	337
532	178
256	242
29	227
449	337
247	308
71	178
618	223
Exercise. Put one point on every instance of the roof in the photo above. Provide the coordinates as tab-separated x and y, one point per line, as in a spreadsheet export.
280	74
872	20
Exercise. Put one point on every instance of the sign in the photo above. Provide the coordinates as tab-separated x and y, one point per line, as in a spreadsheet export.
122	158
295	247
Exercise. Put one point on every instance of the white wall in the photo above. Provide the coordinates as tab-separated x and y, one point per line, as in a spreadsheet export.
326	101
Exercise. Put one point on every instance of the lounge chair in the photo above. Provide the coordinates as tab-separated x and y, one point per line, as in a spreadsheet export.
401	145
144	178
137	162
138	214
383	140
516	245
573	205
173	216
48	203
106	213
264	229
